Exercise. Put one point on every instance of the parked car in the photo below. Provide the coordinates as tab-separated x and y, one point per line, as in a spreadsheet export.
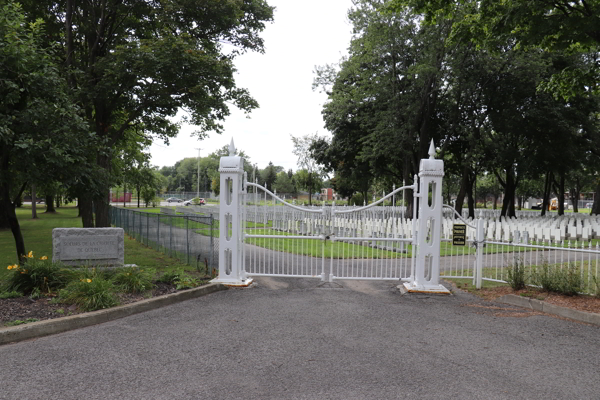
174	199
538	206
191	202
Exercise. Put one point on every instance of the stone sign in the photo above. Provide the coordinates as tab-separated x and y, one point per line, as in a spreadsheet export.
88	246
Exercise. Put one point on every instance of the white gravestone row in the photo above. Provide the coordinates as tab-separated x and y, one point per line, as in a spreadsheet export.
555	229
89	246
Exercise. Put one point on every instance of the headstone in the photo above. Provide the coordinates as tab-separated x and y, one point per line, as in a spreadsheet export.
88	246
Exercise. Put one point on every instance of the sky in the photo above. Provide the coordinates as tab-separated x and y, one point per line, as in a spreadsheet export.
304	34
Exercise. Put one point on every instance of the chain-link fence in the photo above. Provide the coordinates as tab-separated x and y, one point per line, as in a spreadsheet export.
193	239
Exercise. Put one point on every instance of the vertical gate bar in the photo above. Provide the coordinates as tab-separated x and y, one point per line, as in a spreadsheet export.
187	242
170	236
148	229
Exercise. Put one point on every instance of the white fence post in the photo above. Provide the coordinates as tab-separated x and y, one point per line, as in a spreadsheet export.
231	270
427	260
480	241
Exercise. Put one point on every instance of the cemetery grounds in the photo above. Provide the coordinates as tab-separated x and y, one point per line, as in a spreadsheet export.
38	237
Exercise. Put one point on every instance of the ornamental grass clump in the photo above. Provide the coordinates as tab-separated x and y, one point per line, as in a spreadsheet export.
38	275
134	279
90	294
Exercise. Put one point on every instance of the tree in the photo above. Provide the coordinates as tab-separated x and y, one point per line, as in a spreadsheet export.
313	172
284	184
560	25
40	128
136	63
308	181
268	176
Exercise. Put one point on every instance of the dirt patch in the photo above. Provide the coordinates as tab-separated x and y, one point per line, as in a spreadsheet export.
581	302
24	308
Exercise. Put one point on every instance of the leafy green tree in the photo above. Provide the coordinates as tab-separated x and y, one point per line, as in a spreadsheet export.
269	176
308	181
40	128
136	63
311	177
561	25
284	184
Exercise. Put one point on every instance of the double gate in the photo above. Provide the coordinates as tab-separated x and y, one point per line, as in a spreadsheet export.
283	239
263	235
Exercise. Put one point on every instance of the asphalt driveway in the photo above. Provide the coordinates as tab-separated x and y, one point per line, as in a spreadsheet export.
293	339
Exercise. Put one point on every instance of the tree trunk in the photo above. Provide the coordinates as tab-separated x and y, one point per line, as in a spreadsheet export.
508	204
495	206
50	204
7	209
86	210
470	198
574	194
547	187
596	205
33	203
101	203
559	189
460	197
138	195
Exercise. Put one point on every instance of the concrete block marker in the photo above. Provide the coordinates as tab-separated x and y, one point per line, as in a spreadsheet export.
89	246
542	306
52	326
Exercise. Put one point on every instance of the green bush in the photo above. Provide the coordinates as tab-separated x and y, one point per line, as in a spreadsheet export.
170	277
566	280
134	279
184	281
40	275
516	275
90	294
357	199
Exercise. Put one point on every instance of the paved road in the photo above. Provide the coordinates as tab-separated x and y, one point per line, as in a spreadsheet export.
293	339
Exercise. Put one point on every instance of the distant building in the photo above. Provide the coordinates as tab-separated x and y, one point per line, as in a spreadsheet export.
327	194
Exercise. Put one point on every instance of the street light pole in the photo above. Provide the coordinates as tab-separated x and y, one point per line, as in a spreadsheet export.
198	187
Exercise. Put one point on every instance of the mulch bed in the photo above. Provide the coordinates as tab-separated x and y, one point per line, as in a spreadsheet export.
24	308
581	302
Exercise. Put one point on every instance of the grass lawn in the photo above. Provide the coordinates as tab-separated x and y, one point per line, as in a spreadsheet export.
38	238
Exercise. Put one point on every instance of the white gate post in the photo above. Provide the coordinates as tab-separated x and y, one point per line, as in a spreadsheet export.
231	270
427	260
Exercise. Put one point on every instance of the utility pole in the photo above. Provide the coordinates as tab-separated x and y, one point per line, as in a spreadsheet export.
198	187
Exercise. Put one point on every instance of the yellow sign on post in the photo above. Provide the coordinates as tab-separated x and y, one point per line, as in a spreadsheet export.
459	234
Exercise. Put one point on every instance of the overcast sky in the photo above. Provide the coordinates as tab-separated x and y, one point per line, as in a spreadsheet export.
304	34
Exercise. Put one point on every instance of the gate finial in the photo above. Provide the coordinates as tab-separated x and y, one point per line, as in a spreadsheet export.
431	150
231	148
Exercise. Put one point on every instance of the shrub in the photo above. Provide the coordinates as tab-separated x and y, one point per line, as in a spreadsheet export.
516	275
180	279
184	281
134	280
566	281
90	294
170	277
40	275
357	199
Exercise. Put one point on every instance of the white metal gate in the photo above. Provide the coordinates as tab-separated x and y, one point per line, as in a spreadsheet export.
261	234
283	239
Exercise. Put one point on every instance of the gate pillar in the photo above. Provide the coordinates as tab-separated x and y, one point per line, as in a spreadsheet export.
231	269
427	258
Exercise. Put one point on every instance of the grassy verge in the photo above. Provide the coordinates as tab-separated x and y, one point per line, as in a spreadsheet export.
37	234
